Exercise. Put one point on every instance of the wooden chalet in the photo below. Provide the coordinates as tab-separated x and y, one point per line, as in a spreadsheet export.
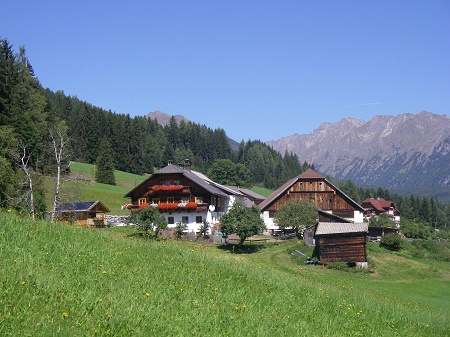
333	204
183	195
85	213
342	242
373	207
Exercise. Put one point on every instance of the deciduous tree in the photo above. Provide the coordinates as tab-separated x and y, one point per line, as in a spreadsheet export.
297	214
242	221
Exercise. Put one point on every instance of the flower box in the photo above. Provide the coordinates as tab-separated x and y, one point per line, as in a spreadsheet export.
167	188
168	207
191	206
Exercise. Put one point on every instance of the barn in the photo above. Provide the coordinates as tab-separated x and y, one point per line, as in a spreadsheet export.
333	204
342	242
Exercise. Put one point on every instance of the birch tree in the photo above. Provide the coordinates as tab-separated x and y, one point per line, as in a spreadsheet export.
59	141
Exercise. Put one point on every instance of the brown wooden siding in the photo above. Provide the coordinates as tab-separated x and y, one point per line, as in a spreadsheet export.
342	248
326	199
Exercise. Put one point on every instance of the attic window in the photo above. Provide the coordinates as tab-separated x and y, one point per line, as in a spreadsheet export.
166	183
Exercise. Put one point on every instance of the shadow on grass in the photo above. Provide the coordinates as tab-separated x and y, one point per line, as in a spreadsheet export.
244	249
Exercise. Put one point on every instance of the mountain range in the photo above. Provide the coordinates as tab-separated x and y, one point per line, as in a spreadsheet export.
407	153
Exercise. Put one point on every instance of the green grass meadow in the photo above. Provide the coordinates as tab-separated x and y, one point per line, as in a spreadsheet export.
89	190
59	280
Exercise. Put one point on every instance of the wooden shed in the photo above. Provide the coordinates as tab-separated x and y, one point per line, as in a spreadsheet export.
342	242
84	213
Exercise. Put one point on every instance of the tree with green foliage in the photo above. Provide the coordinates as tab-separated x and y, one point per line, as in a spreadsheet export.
382	220
8	148
204	228
225	172
391	241
104	169
242	221
415	230
180	227
297	214
149	219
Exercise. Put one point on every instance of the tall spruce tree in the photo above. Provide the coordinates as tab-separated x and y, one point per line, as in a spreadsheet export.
104	172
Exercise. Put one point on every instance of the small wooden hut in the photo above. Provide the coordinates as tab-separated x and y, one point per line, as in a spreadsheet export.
342	242
87	213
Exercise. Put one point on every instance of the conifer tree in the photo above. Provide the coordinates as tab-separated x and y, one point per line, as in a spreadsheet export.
104	172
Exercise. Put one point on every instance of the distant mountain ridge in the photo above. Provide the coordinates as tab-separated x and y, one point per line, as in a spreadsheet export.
163	119
404	152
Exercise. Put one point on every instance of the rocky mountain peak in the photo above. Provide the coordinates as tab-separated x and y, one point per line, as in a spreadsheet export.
403	151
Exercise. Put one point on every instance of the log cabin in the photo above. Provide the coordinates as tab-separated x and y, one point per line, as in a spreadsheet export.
333	204
184	195
342	242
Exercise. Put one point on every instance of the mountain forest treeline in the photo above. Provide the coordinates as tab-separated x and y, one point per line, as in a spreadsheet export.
41	131
30	115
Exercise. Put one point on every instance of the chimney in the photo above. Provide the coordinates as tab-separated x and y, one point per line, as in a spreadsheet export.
187	165
169	162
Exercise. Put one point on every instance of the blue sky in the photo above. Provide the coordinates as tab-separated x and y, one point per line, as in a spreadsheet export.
258	69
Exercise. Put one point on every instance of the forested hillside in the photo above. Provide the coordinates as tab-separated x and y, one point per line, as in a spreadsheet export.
139	144
41	131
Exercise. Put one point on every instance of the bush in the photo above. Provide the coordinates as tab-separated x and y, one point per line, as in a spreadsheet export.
391	241
430	249
415	230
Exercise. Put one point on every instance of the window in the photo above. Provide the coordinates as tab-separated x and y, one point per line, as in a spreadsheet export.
198	219
199	200
170	200
155	201
184	200
170	220
167	183
142	201
176	182
185	219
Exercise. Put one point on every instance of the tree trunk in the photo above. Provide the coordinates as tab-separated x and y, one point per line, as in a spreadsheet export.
58	140
24	165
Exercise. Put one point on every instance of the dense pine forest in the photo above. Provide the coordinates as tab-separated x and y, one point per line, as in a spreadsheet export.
41	131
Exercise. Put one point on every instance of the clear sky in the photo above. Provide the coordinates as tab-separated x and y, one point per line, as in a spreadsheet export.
258	69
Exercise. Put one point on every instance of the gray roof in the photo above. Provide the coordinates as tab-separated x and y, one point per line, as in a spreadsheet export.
82	206
324	228
197	177
247	192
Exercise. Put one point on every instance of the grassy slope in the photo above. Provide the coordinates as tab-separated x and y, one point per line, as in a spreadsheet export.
111	196
61	280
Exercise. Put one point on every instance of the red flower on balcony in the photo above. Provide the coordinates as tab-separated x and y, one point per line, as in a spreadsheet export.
167	188
191	206
171	206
